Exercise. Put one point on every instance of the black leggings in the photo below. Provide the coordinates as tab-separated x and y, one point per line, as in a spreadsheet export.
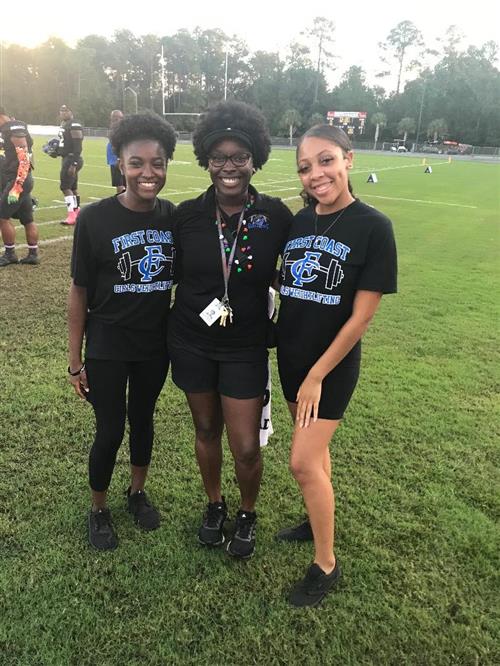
108	396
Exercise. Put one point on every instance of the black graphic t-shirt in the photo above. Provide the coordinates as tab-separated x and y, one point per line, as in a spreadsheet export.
126	261
201	280
10	129
324	264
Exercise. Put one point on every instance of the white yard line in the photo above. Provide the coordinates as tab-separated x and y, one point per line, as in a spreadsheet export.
423	201
63	205
56	180
406	166
49	241
420	201
40	224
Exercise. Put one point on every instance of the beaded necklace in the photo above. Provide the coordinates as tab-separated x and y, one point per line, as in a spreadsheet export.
228	248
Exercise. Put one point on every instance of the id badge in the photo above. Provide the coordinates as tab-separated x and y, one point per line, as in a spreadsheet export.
212	312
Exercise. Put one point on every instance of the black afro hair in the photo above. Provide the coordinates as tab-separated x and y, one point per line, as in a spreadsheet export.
245	120
143	127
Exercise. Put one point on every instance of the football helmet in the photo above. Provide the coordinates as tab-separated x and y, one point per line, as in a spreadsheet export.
51	148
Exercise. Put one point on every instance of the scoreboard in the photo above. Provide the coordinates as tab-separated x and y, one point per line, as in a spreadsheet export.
352	122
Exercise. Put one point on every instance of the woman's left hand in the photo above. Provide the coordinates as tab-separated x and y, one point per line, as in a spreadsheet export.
308	397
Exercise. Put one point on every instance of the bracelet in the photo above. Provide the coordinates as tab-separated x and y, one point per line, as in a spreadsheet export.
78	372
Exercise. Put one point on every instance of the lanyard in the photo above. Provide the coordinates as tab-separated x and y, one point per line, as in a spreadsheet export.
227	263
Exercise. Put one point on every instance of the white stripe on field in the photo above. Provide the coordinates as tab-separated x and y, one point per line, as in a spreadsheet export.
424	201
56	180
406	166
49	241
39	224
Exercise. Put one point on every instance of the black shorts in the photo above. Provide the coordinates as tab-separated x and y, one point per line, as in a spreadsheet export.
117	178
70	182
237	373
337	388
22	210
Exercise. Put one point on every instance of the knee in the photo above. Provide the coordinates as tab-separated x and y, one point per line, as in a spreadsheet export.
109	437
208	434
301	469
248	455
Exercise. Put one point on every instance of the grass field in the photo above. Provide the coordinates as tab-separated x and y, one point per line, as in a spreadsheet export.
415	464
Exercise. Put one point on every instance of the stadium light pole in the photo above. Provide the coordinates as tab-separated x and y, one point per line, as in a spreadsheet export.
419	124
225	76
162	81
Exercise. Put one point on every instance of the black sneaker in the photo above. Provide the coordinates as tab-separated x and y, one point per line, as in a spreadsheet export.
145	515
102	534
242	544
211	532
32	259
314	587
302	532
7	259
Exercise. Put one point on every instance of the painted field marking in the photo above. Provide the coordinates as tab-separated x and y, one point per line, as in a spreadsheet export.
56	180
406	166
421	201
424	201
49	241
39	224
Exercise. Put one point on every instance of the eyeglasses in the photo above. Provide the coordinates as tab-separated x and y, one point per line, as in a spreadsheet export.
238	159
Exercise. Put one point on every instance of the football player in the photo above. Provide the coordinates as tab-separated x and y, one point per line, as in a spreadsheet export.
70	149
15	191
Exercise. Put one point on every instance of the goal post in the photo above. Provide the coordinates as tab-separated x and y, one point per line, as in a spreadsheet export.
182	122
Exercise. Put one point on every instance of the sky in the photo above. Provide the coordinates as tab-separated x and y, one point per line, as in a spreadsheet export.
264	24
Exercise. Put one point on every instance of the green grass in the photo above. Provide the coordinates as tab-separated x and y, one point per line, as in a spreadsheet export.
415	464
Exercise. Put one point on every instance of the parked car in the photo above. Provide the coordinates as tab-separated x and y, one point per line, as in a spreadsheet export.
447	147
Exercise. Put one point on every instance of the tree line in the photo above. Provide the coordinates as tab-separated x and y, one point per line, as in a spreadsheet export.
448	92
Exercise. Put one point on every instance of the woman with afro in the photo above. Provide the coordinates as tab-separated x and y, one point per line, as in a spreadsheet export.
122	275
227	241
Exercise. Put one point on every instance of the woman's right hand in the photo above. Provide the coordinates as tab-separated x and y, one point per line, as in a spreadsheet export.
80	383
308	397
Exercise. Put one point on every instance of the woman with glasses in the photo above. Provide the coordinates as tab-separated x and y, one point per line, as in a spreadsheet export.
227	242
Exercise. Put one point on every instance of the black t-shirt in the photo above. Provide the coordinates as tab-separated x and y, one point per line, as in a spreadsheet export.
126	261
201	280
68	145
323	267
10	129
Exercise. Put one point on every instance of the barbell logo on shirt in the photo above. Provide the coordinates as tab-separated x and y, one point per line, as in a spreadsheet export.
307	269
149	266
